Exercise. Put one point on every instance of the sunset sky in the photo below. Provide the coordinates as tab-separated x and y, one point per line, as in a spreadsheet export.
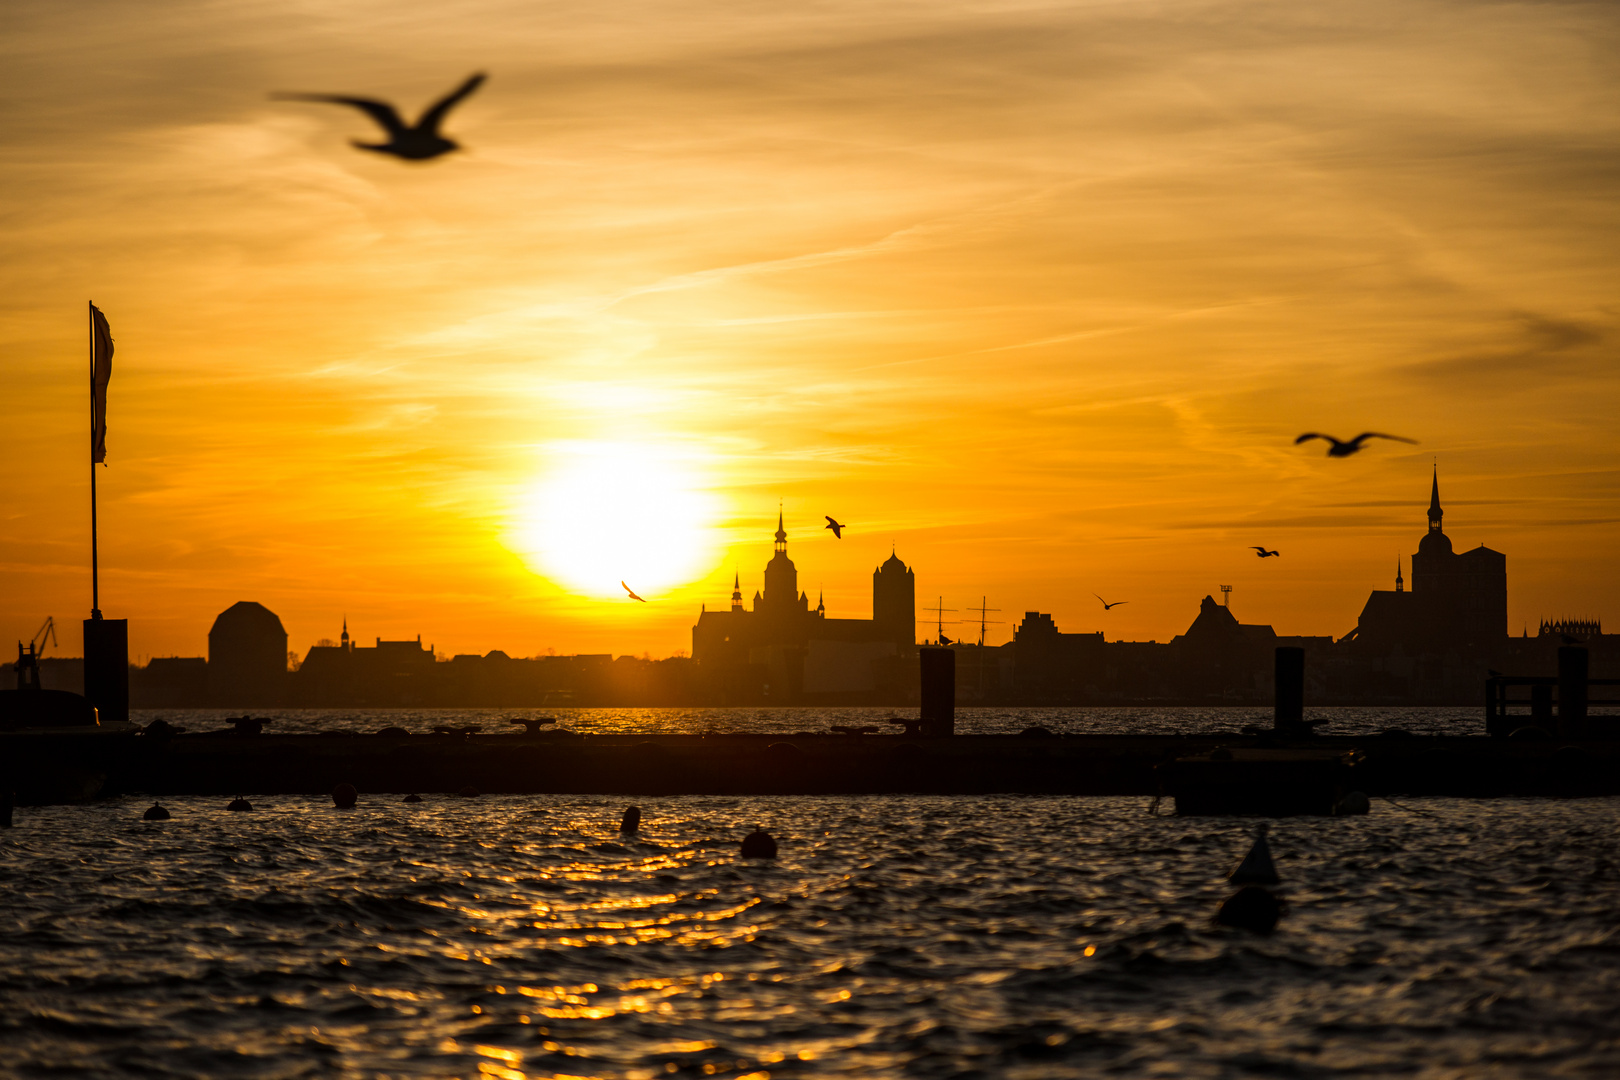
1039	294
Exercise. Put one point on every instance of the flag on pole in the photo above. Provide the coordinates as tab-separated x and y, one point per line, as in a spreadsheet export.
101	350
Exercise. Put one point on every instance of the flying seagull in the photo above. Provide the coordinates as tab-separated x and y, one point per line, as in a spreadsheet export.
1345	449
835	526
1262	552
418	143
632	592
1106	605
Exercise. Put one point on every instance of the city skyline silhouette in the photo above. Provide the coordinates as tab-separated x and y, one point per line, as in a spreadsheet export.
1060	345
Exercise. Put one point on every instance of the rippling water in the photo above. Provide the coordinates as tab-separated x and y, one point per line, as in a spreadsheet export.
1420	720
894	936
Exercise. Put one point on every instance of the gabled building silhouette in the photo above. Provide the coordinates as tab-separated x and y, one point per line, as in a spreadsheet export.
388	673
783	650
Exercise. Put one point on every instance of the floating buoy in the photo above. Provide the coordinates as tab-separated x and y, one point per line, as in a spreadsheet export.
155	812
1250	908
344	796
239	803
393	732
631	822
468	792
1256	867
413	798
758	845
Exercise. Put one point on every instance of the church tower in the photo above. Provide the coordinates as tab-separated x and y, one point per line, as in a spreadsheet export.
782	577
894	602
736	592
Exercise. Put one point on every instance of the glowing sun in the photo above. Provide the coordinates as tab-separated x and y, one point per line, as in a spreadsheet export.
612	512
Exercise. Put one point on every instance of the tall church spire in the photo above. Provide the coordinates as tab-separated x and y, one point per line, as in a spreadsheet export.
781	533
736	592
345	638
1400	586
1434	503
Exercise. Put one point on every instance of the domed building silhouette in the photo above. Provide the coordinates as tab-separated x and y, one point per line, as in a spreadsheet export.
247	656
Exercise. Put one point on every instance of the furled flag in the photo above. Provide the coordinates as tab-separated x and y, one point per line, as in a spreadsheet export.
101	350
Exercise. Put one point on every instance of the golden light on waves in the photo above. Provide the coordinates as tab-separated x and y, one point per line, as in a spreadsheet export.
612	512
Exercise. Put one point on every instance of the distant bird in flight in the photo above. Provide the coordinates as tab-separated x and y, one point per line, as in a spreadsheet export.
1106	605
836	527
418	143
1262	552
1345	449
632	592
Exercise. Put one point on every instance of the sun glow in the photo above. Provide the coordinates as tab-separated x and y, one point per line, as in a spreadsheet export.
619	512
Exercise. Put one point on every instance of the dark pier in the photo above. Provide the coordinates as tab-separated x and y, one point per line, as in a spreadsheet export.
71	767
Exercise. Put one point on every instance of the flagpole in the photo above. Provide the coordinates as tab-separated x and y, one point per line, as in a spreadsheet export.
95	577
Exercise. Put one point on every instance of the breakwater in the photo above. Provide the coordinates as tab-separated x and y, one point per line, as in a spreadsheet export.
44	768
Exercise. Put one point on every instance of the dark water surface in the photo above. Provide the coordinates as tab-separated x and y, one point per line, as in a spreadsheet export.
999	936
1107	720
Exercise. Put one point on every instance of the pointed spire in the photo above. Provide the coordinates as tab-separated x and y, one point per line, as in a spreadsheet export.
821	600
345	638
1435	512
1400	586
736	592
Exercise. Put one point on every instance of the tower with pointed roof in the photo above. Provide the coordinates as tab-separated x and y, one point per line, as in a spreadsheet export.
782	596
1457	603
782	648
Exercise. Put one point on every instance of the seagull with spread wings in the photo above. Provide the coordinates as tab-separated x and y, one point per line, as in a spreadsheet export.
1262	552
419	142
836	527
632	592
1354	446
1106	605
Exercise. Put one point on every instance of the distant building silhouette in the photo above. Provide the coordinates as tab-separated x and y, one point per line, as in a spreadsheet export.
247	656
783	650
1581	628
1457	603
388	673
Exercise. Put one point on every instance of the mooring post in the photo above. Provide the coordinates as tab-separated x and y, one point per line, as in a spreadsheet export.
1572	669
938	668
106	667
1541	706
1289	709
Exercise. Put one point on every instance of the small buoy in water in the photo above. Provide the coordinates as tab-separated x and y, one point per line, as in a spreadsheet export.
239	803
344	796
631	822
1256	867
413	798
1250	908
468	792
1354	803
155	812
758	845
